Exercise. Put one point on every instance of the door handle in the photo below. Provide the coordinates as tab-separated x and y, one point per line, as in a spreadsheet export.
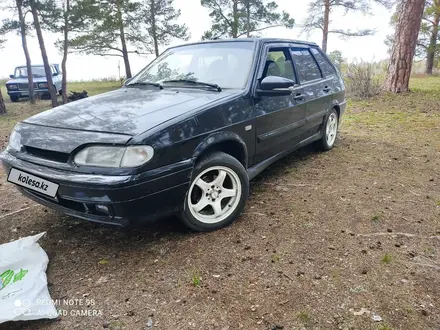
299	96
326	89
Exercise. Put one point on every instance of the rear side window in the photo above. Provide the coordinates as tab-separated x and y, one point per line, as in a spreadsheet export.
305	64
326	67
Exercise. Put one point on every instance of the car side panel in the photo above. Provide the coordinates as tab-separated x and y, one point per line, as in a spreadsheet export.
191	136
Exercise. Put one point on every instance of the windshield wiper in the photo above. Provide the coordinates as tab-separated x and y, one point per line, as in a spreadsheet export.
194	82
146	83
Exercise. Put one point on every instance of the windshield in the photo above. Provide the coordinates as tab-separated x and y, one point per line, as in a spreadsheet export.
226	64
37	72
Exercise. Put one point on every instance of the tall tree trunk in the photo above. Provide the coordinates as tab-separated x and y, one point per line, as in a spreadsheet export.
404	46
19	4
248	18
153	27
325	23
123	42
2	104
65	51
52	92
235	21
433	40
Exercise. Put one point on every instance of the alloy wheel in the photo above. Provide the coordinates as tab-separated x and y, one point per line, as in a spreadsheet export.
214	194
331	129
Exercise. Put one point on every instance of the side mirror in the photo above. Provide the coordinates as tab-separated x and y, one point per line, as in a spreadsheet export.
275	86
127	81
11	76
55	74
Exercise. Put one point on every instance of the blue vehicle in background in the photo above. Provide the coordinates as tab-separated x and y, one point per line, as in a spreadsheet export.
18	85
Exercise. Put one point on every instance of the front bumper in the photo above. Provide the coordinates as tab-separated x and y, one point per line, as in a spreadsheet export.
25	93
129	199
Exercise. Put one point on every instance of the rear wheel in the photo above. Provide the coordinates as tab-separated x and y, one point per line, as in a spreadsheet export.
218	192
14	98
330	131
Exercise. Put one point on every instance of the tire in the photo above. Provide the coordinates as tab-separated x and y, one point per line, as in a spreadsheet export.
330	131
14	98
60	92
215	210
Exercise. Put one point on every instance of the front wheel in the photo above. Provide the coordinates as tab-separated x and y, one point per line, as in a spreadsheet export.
217	194
330	131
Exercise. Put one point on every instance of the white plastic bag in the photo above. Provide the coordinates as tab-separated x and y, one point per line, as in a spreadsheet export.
23	282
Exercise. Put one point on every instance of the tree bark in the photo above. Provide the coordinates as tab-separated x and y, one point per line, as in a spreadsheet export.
2	104
404	46
153	27
248	19
19	4
235	21
51	87
325	25
123	42
65	51
433	40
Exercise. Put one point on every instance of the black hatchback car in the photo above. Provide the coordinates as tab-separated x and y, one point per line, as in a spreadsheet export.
184	136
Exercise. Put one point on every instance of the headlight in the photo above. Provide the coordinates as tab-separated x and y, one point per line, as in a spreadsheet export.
15	141
42	85
12	86
111	156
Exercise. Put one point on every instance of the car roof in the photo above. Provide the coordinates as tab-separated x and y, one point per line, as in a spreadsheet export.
255	40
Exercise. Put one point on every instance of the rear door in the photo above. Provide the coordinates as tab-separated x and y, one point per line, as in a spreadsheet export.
316	88
280	120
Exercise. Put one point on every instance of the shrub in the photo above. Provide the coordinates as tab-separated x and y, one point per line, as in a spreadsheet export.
362	80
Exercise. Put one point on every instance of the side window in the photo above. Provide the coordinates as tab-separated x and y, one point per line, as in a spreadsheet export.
326	67
278	64
305	64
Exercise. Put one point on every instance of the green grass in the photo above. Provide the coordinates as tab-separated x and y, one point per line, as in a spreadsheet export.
387	258
196	280
304	317
384	327
375	218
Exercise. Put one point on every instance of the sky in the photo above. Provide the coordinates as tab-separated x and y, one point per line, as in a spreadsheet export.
196	17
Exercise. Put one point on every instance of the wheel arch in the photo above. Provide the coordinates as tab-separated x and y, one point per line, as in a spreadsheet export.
227	142
335	105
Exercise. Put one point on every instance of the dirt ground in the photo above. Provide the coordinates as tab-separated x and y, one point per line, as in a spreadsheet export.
327	241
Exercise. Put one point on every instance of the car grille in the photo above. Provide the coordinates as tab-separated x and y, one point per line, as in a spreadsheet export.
55	156
25	86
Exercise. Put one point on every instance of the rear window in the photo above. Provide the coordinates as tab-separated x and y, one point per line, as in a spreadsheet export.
326	67
306	65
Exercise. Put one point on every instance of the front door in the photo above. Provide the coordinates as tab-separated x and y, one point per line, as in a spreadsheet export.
280	120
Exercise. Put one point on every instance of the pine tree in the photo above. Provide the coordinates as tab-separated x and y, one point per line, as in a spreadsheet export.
21	27
160	20
236	18
428	42
115	29
319	13
404	45
50	85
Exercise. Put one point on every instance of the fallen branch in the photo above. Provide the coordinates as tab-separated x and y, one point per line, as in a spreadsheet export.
398	234
426	265
15	212
288	276
387	234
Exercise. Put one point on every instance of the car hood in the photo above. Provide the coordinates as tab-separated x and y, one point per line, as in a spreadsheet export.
129	110
25	80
